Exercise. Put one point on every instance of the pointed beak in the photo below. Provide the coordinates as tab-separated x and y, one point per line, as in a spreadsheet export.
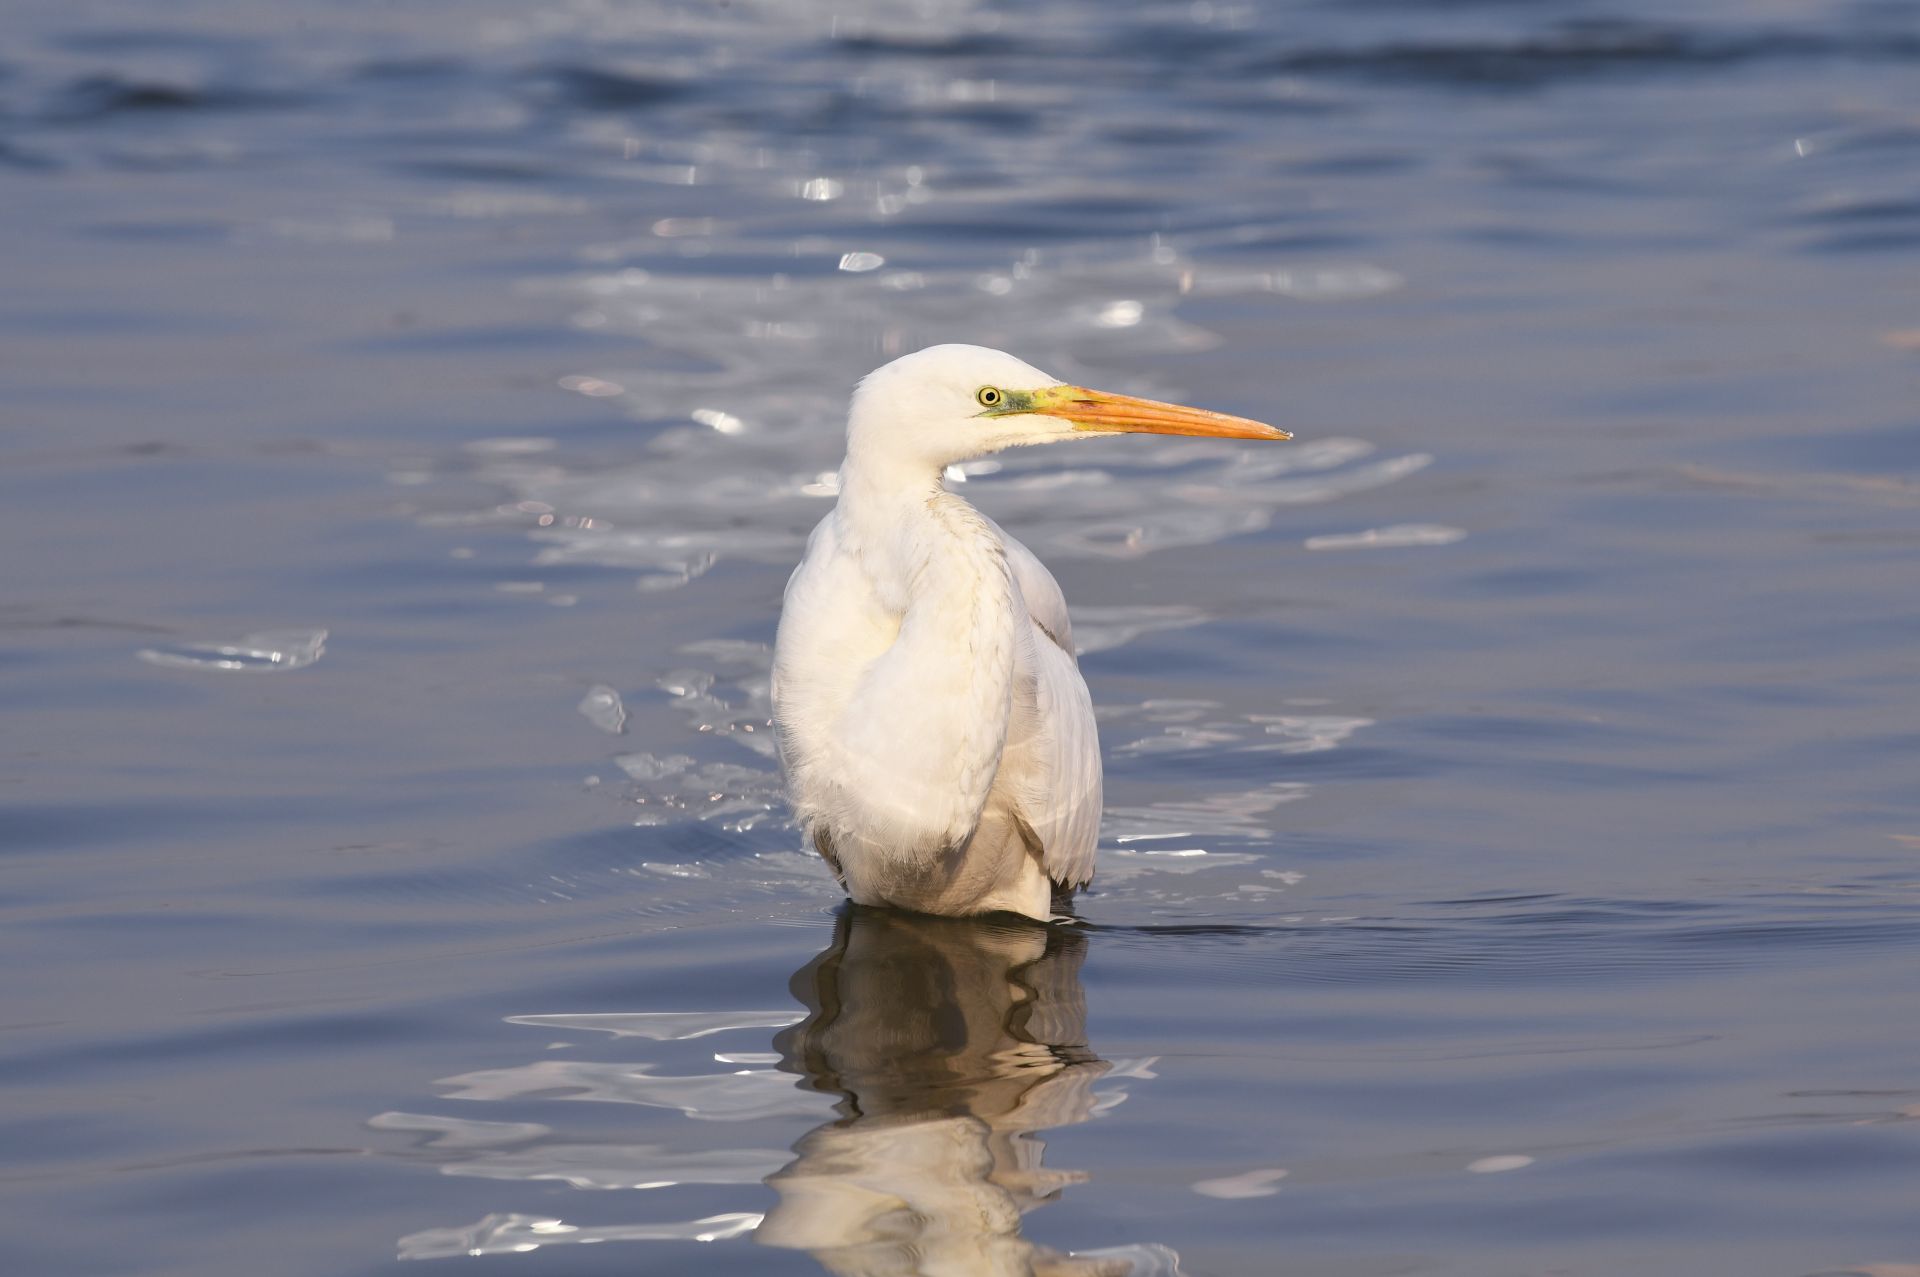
1098	412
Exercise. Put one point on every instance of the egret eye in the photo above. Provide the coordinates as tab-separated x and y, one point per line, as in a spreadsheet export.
988	397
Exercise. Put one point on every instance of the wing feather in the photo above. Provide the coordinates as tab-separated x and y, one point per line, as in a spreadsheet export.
1045	603
1053	745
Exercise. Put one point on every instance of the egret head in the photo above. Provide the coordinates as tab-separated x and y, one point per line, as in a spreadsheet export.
948	403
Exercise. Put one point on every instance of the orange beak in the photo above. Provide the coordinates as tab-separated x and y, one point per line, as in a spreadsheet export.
1098	412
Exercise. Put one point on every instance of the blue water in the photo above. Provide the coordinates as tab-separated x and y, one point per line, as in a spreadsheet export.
411	414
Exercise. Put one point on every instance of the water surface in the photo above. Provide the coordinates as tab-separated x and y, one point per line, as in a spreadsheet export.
412	414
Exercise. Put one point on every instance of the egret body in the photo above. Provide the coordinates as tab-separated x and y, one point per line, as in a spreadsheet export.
937	738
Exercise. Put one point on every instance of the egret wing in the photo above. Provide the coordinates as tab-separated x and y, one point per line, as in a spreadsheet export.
1060	801
802	583
1045	603
1054	743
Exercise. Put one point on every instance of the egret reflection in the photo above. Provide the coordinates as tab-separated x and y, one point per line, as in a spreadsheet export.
931	1055
951	1043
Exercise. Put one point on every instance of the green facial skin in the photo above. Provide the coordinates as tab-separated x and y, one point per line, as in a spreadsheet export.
1012	403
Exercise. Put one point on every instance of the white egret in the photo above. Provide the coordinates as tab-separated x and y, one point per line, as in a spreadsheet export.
937	738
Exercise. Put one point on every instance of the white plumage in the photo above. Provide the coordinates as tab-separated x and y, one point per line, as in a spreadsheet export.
937	737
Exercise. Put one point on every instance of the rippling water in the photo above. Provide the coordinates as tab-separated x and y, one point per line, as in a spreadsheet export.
1512	862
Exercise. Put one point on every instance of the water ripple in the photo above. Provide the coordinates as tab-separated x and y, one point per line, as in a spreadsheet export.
274	651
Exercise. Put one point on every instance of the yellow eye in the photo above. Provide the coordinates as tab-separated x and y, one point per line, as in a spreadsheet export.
988	397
